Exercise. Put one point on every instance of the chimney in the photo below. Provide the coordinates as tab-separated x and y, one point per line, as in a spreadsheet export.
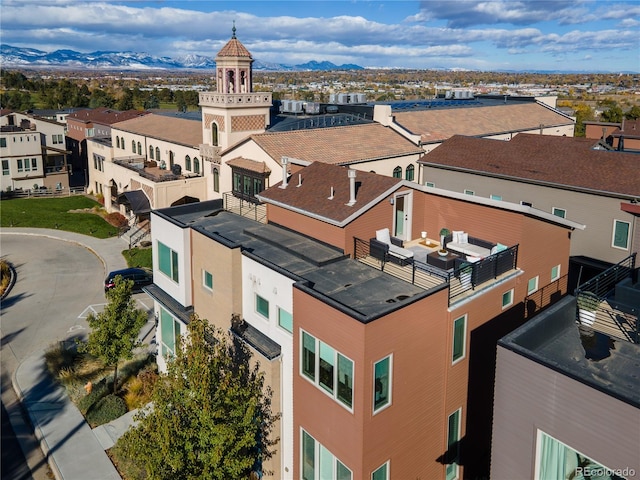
284	160
352	187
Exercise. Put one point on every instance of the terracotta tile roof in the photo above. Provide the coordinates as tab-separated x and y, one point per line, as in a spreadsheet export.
318	179
439	124
337	145
234	48
247	164
565	161
176	130
104	115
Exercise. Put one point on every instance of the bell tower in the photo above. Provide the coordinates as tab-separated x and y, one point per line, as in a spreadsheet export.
233	111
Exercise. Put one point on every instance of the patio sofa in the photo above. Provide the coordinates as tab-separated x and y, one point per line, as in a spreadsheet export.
461	242
387	248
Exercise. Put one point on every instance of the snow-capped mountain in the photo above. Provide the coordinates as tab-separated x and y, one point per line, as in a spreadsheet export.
29	57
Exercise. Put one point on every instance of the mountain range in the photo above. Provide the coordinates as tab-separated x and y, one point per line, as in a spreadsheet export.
29	57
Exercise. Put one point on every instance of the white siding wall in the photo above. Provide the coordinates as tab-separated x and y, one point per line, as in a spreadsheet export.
278	290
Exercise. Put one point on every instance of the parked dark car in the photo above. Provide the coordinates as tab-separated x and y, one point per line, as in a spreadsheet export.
140	277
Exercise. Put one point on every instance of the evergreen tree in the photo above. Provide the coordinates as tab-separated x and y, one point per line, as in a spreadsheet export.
114	331
211	415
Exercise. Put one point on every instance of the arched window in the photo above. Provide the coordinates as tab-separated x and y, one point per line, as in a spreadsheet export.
139	149
216	180
171	158
158	154
133	146
214	134
397	172
409	173
187	163
117	142
151	152
196	165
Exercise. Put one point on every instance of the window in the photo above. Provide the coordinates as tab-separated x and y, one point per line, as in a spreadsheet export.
207	280
237	182
330	371
117	142
216	180
157	154
409	172
3	142
139	148
5	167
382	383
459	337
469	192
151	151
496	197
318	463
532	285
214	134
453	445
196	165
34	164
171	159
526	204
559	212
554	459
262	306
169	332
168	261
620	234
20	167
555	273
381	473
507	299
257	185
429	184
57	139
187	162
397	172
285	320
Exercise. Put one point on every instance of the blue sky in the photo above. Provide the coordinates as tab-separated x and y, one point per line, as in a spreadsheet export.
566	35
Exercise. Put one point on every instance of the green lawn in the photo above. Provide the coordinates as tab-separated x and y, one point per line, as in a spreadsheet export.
139	257
54	213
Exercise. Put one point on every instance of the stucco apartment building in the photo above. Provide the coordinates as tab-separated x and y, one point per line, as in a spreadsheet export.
570	177
33	153
377	364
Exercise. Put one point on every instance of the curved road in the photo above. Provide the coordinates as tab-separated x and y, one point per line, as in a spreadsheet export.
57	280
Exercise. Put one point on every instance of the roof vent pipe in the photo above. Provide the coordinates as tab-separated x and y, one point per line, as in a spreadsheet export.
331	196
284	160
352	187
299	179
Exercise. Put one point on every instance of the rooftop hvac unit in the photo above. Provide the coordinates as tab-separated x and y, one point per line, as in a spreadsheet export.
361	98
312	107
286	105
333	98
343	98
447	94
296	106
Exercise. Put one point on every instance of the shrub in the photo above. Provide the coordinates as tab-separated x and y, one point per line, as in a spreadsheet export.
59	358
116	219
99	391
105	410
139	389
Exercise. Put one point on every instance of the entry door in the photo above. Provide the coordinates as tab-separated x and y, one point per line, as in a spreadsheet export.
402	227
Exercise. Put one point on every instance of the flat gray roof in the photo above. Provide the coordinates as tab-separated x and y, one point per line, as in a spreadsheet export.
319	269
554	339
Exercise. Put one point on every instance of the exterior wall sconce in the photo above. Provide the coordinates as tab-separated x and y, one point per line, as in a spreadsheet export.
391	201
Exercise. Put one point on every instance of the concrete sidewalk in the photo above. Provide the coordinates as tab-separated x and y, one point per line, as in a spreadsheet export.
74	451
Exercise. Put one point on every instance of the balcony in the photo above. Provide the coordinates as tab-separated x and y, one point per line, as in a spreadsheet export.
210	153
148	169
464	279
215	99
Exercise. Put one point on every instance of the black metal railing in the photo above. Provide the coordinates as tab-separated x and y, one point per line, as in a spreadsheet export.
250	209
545	296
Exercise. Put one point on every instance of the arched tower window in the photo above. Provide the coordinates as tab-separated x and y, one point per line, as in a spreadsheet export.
409	173
214	134
216	180
231	82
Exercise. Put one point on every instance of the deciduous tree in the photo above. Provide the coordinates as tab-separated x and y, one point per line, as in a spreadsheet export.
211	415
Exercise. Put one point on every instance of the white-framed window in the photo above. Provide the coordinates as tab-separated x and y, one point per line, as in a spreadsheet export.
507	299
555	459
328	369
453	445
207	280
5	167
20	166
285	320
555	273
532	285
382	381
559	212
496	197
469	192
169	333
34	164
458	345
168	261
382	472
621	231
318	463
262	306
429	184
